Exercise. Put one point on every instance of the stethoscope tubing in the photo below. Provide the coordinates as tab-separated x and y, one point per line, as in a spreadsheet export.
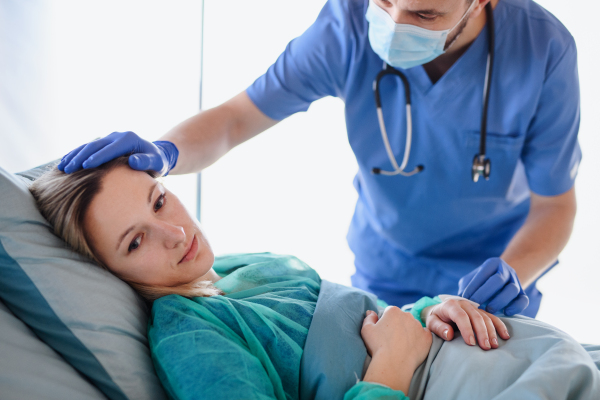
488	78
388	148
388	70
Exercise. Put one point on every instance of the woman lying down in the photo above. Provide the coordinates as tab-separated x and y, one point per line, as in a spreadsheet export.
263	326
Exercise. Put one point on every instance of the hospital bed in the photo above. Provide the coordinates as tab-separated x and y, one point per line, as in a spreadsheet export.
71	330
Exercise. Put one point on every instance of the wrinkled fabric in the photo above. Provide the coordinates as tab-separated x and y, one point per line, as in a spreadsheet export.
282	333
538	362
335	356
246	344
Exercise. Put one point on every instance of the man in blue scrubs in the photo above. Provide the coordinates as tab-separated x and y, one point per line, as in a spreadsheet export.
437	231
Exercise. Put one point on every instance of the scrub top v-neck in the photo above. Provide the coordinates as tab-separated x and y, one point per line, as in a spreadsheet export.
417	236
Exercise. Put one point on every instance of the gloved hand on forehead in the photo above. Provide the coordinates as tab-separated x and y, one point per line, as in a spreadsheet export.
496	285
159	156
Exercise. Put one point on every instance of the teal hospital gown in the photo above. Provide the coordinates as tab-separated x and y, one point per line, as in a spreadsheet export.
248	343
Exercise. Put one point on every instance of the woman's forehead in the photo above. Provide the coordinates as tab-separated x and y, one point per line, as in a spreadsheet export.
124	194
124	180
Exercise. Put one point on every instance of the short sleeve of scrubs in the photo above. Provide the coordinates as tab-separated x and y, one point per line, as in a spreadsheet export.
551	153
311	67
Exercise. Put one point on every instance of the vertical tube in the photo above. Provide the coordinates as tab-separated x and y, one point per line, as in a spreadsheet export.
198	195
199	175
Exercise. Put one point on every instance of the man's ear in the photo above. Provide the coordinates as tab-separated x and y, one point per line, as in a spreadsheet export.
479	8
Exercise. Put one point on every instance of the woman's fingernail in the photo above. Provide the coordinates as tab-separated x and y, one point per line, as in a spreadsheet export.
495	341
506	333
487	344
472	341
446	334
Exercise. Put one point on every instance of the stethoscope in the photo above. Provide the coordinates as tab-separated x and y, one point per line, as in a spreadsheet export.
481	164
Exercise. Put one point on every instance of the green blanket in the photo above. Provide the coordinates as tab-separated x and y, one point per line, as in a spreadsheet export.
247	344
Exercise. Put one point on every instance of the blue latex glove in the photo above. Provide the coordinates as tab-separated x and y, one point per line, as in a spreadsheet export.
160	156
496	284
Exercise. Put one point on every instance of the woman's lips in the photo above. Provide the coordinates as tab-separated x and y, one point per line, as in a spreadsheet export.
191	253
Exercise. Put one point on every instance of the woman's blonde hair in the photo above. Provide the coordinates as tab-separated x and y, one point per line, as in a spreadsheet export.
63	199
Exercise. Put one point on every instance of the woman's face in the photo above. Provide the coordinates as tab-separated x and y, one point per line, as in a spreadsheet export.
143	233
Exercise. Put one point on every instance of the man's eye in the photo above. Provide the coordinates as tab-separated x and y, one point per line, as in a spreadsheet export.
427	17
135	244
160	202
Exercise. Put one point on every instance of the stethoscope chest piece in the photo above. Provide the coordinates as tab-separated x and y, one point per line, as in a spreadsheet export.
481	167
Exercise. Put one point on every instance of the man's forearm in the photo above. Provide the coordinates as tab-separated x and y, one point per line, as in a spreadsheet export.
542	237
205	137
201	140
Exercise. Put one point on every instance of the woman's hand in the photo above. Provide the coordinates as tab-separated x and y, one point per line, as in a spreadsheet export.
398	344
470	321
396	333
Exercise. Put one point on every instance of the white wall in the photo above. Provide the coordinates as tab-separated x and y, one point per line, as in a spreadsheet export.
110	66
25	96
289	190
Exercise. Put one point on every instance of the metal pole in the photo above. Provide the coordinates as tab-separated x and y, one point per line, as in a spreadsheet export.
199	175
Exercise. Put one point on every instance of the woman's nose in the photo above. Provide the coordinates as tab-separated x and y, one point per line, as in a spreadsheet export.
172	234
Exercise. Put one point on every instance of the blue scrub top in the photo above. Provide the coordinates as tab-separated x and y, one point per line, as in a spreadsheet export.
417	236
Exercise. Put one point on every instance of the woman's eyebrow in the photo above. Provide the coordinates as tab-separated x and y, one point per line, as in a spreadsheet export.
132	227
151	191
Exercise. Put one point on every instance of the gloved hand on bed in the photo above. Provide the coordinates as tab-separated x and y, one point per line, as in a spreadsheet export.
159	156
496	285
475	325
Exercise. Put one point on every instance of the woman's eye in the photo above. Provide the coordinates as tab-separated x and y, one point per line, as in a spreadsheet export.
160	202
135	244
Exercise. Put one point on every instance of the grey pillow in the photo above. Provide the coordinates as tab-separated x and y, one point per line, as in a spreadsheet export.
29	369
91	318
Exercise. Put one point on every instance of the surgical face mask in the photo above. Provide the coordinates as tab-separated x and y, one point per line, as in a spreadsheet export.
403	45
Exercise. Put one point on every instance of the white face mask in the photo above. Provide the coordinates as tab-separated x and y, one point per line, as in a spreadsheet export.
403	45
